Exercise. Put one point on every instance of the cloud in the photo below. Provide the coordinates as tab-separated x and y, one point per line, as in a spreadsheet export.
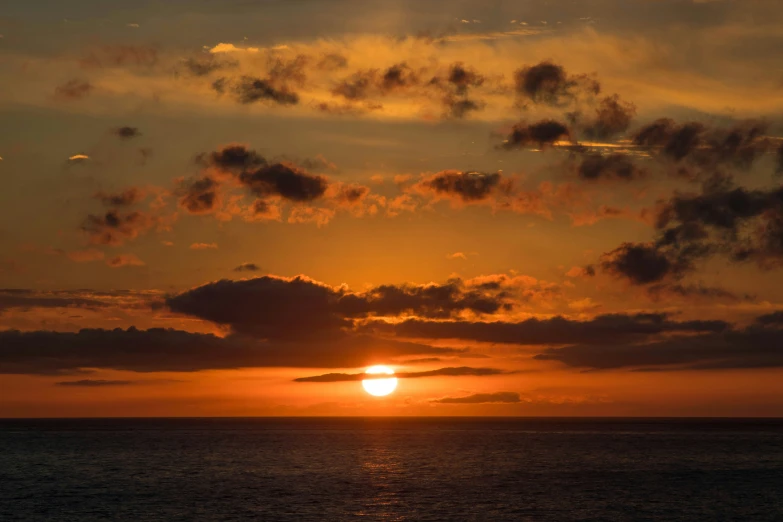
251	170
247	267
73	90
462	371
695	292
611	167
125	198
100	383
549	83
203	246
481	398
114	228
612	117
641	263
284	180
466	187
757	346
202	196
275	307
26	298
233	158
250	90
701	145
167	350
779	159
540	134
206	64
608	328
127	133
124	260
741	224
95	383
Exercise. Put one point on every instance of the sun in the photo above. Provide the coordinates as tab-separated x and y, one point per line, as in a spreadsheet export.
380	387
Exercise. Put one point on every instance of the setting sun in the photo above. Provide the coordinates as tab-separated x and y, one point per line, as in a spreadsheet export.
380	387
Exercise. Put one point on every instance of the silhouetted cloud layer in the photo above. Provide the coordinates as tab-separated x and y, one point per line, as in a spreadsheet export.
167	350
609	328
26	298
461	371
757	346
275	307
482	398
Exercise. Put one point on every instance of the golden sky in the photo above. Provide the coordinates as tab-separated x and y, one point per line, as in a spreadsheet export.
521	207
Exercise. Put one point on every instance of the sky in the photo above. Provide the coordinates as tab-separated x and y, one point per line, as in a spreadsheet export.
528	207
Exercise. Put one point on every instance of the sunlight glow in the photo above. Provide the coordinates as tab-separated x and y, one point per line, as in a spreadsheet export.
380	387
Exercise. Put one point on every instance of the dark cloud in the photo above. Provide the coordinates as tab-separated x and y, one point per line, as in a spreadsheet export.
202	196
549	83
73	90
95	383
114	228
779	160
206	64
282	71
374	82
25	298
247	267
167	350
127	133
641	263
611	167
463	78
557	330
456	85
234	158
704	146
695	292
266	307
540	134
332	62
351	194
273	307
775	318
252	170
249	89
432	300
482	398
742	224
462	371
284	180
464	186
756	346
612	117
461	107
100	383
127	197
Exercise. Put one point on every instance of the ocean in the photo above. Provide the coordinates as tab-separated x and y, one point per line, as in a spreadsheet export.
391	469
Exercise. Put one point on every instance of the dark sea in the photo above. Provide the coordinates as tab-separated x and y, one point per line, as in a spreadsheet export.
391	469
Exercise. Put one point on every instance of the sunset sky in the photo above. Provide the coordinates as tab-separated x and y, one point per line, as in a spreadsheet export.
523	207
